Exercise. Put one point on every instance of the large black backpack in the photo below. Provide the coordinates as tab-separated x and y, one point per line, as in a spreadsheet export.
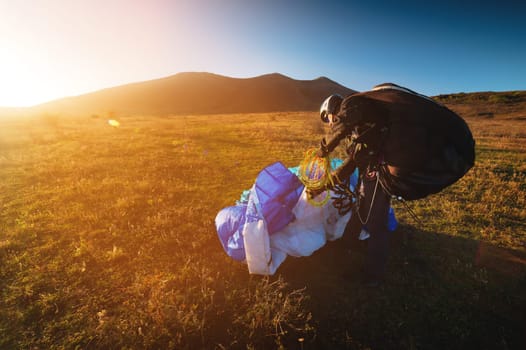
427	147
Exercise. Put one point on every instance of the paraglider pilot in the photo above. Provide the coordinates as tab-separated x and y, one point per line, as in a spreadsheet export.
404	144
371	203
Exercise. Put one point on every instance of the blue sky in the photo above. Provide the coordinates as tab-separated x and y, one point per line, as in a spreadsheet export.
431	47
55	48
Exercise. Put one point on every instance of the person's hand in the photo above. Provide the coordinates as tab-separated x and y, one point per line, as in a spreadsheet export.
322	151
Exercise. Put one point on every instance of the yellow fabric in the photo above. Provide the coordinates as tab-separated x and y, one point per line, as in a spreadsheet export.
316	174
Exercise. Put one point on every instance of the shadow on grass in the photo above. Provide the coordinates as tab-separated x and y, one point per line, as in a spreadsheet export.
440	292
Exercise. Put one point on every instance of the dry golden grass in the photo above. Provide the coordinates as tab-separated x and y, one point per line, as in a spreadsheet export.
107	240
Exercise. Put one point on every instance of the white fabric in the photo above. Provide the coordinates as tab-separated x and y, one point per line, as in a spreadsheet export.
305	234
257	248
302	237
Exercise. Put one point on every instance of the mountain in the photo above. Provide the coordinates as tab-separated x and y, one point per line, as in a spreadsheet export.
202	93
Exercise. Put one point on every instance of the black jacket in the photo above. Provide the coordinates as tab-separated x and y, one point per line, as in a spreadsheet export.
364	136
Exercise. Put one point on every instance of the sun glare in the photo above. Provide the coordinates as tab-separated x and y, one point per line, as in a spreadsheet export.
21	85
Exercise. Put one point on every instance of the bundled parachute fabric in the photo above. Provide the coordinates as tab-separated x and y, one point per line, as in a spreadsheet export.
427	148
278	191
275	192
244	232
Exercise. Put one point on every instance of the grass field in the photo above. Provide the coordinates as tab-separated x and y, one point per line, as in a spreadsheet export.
107	241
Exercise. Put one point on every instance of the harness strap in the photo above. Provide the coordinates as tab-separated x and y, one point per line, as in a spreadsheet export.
364	222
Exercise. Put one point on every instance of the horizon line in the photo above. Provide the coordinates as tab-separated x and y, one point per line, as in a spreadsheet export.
118	85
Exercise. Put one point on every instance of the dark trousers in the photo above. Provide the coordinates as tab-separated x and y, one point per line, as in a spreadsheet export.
374	219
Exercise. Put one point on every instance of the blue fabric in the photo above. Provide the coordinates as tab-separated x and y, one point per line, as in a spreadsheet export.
253	210
229	224
278	190
392	223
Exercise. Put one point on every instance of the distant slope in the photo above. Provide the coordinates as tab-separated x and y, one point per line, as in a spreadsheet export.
6	112
202	93
503	105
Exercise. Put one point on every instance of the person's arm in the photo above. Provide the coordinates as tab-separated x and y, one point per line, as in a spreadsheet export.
341	174
338	132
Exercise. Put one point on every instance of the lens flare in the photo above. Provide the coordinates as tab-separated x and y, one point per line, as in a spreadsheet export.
114	123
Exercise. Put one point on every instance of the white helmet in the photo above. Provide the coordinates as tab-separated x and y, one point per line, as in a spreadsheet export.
331	105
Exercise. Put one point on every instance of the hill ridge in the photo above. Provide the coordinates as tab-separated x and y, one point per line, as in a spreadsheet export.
202	93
